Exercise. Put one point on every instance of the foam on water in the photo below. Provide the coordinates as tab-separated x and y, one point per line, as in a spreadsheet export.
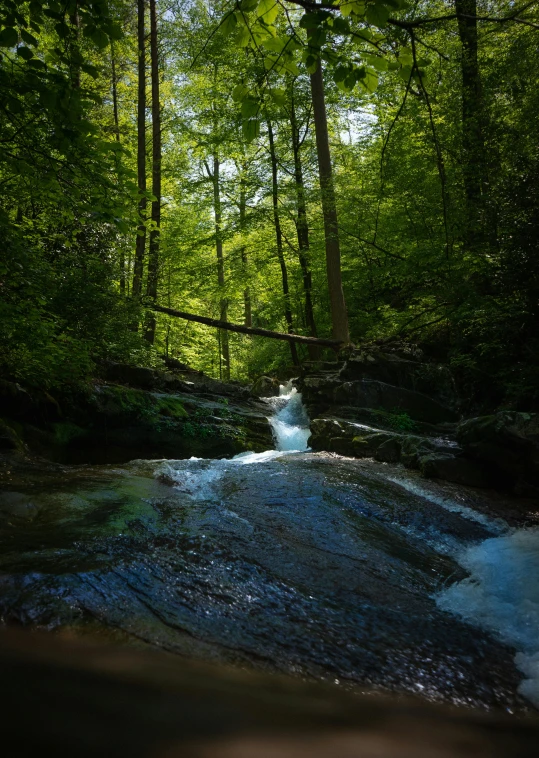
199	478
496	526
290	423
502	595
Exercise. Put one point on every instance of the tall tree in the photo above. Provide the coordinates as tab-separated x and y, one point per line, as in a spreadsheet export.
248	316
224	355
339	315
479	227
153	251
140	248
114	82
302	224
279	242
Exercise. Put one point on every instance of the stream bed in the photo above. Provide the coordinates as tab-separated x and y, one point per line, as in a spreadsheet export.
289	561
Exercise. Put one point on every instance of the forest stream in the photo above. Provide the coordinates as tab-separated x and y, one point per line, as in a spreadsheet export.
305	563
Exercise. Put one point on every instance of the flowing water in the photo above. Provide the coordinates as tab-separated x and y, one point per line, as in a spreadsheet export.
289	561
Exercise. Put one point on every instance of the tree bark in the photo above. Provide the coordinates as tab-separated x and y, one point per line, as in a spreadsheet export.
224	369
248	316
253	330
302	225
279	240
153	251
339	316
474	164
140	248
117	138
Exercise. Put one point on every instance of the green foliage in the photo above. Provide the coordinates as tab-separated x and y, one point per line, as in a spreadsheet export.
395	419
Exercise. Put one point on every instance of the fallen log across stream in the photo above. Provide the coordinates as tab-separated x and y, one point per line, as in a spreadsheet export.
333	344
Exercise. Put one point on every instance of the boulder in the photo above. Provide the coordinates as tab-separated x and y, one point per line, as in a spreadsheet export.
453	469
265	386
9	439
367	393
401	366
507	444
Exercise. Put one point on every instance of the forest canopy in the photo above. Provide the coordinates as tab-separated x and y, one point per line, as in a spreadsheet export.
349	170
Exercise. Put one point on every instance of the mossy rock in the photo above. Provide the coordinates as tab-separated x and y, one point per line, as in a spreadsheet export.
9	437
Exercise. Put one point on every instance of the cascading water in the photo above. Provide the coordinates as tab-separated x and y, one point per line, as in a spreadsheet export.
300	562
290	422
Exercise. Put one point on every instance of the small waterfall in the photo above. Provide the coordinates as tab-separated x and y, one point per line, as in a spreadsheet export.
290	422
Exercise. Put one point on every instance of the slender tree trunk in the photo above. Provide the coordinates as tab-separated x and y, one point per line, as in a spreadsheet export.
74	20
140	249
248	317
153	251
479	227
279	239
117	138
224	352
302	225
339	316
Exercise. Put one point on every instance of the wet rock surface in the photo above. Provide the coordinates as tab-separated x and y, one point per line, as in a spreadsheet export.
150	414
305	564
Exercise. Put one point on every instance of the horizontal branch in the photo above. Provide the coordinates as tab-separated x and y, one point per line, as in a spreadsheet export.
333	344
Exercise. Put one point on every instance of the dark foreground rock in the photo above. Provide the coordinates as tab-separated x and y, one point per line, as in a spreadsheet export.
117	702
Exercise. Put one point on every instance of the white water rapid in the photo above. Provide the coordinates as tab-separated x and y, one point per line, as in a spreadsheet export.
201	478
501	595
290	422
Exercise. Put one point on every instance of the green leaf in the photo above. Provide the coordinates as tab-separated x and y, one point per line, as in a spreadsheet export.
91	70
380	64
248	5
268	10
278	95
99	38
62	29
243	37
404	73
28	38
369	80
14	105
275	43
340	25
378	14
239	93
249	107
355	7
291	67
8	37
340	74
312	20
251	129
25	53
115	31
229	23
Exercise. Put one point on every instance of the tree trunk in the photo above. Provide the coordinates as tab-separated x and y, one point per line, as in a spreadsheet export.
302	227
478	227
279	239
224	368
117	138
248	317
153	252
339	316
138	268
254	330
